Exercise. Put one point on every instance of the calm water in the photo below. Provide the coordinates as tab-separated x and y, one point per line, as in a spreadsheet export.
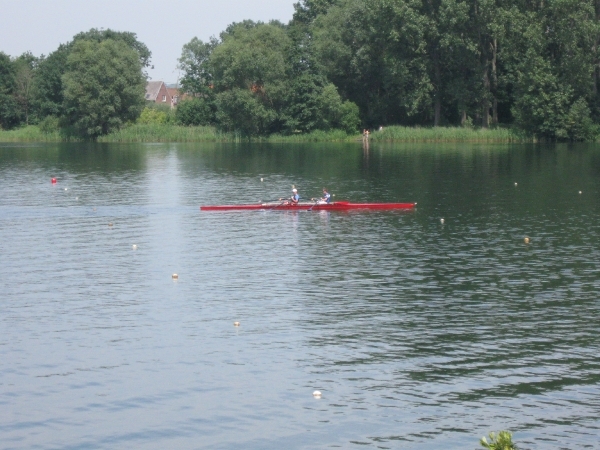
420	335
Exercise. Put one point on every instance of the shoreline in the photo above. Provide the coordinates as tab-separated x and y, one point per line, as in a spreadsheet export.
157	133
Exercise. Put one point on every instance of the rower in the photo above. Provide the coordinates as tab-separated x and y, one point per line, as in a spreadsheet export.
326	197
295	198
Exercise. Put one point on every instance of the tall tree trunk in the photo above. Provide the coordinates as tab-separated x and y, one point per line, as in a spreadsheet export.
485	102
438	89
595	49
485	76
494	89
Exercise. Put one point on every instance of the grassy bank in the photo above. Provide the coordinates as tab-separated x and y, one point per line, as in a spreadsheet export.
30	133
447	134
176	133
167	133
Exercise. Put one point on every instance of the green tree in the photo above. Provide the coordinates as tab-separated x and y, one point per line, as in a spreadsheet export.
305	11
9	115
375	52
541	101
535	64
194	62
103	87
580	126
25	66
128	38
195	111
250	73
152	116
47	83
241	111
48	88
552	65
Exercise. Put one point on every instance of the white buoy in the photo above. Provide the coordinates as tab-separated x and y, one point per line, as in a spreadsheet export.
65	189
442	221
526	240
515	184
580	192
175	276
134	247
76	198
236	324
317	394
261	180
110	224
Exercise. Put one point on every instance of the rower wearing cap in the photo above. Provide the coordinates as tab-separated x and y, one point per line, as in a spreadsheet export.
295	198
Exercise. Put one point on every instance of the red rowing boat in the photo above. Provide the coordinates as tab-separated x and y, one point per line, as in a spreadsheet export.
304	206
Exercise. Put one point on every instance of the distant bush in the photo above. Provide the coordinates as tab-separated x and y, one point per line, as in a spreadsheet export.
50	124
152	116
338	114
349	119
580	126
195	111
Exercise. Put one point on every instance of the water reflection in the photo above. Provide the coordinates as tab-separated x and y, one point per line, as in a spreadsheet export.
419	335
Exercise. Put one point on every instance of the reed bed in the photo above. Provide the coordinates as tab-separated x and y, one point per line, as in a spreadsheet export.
448	134
166	133
29	133
177	133
314	136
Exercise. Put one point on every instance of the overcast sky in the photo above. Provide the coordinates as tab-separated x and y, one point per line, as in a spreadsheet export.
40	26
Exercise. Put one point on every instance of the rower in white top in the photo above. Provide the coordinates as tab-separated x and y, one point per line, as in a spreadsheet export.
326	197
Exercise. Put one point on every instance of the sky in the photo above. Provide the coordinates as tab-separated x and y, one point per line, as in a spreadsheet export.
39	26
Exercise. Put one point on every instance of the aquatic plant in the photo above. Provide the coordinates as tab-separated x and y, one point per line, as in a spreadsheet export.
501	441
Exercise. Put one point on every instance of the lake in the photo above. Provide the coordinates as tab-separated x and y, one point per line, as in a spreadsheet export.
419	334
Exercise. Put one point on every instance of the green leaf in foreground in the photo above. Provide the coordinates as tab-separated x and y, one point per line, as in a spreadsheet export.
501	441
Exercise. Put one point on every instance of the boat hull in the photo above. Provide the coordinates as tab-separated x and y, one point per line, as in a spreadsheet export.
305	206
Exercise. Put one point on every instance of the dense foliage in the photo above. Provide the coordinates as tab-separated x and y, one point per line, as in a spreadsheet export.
9	115
532	65
87	87
103	87
252	81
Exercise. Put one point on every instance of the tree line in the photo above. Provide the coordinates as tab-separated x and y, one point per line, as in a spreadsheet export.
528	64
87	88
339	64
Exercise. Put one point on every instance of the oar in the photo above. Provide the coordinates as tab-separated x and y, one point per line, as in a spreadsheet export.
316	203
277	206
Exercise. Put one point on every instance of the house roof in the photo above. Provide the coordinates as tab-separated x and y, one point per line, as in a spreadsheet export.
173	92
152	89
